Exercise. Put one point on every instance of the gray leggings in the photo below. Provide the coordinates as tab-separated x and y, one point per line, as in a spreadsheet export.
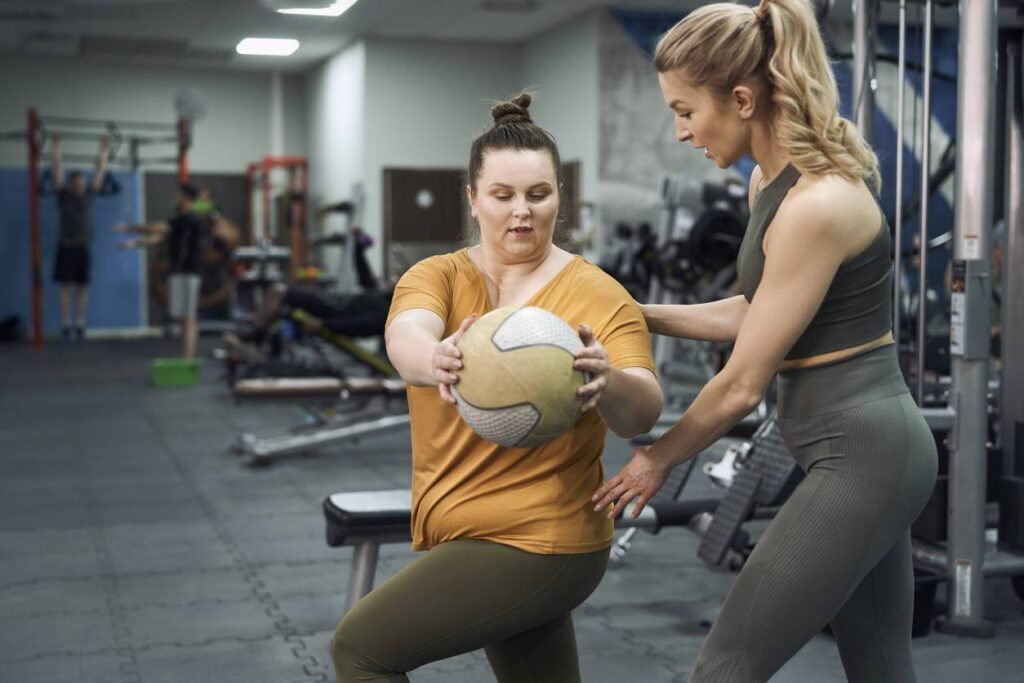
839	550
466	595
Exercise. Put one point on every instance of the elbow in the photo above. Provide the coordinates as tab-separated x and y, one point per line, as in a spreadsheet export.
742	395
644	419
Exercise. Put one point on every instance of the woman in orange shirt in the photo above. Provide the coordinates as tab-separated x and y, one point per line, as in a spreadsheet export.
513	543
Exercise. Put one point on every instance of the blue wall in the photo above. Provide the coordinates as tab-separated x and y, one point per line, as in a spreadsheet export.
115	300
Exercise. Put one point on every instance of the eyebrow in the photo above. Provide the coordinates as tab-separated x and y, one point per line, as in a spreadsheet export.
677	103
507	186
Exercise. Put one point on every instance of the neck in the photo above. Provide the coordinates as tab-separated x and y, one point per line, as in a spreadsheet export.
500	268
769	155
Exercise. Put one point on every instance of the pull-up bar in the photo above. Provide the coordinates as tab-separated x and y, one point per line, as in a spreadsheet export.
35	134
79	122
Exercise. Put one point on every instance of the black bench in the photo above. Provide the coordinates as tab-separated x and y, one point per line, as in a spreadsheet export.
367	519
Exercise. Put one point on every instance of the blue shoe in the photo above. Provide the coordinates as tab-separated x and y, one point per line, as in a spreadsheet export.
65	335
80	334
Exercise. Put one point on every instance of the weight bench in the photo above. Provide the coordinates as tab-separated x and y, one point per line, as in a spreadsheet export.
366	519
326	430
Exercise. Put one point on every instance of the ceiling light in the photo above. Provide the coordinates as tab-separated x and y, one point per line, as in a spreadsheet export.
273	47
335	10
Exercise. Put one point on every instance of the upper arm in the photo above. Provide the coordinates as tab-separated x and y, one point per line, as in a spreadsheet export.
755	180
807	247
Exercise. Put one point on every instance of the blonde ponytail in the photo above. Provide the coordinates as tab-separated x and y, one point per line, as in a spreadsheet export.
720	45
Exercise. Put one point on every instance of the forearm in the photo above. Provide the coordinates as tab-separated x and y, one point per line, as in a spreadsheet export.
410	351
718	407
631	404
714	321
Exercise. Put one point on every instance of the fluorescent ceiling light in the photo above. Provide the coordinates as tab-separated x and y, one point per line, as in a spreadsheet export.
336	10
273	47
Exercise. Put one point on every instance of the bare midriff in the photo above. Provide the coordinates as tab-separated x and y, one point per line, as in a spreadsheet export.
835	356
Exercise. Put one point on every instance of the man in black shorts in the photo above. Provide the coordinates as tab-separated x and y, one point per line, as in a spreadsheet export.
184	233
74	204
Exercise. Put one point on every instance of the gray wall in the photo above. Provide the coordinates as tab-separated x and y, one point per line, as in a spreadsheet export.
235	130
562	67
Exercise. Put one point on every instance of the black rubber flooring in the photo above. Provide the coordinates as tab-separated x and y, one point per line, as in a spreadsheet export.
134	548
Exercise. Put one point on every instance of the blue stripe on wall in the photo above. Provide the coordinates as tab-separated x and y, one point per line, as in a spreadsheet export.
115	300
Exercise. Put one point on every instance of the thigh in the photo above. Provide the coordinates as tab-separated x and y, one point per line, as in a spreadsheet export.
873	628
462	596
83	266
544	654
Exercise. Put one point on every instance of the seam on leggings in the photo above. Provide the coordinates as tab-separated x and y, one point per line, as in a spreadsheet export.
878	625
757	591
537	592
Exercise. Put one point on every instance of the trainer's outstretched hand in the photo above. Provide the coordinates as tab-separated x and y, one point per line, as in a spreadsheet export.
640	479
593	360
447	361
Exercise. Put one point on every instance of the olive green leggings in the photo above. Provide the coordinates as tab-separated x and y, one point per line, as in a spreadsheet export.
466	595
839	550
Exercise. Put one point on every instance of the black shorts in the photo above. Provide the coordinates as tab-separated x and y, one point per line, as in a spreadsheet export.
72	265
311	301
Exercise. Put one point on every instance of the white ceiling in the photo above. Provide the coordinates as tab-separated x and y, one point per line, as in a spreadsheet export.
198	32
205	32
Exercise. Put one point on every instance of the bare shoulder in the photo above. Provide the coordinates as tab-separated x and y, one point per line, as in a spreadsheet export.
828	210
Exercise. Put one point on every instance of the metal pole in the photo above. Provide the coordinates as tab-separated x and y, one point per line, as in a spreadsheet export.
364	569
969	328
1011	404
33	213
897	280
922	279
864	68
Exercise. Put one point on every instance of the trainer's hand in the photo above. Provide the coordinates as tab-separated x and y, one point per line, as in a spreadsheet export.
593	360
447	361
640	479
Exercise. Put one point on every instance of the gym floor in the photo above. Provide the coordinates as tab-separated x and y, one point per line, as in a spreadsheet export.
135	549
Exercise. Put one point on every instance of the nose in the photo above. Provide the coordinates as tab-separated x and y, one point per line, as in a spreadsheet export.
682	133
521	209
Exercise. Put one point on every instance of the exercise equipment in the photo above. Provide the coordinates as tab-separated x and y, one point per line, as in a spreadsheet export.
138	135
517	386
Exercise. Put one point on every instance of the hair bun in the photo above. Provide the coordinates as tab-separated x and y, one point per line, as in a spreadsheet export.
514	111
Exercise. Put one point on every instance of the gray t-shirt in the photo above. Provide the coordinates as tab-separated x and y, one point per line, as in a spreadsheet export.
75	218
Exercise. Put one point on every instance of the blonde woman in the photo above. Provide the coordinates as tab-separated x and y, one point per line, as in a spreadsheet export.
815	273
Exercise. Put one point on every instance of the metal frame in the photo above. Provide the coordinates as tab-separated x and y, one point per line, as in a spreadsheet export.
257	178
963	559
35	135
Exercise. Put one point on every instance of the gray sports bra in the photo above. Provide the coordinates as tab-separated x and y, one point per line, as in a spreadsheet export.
858	305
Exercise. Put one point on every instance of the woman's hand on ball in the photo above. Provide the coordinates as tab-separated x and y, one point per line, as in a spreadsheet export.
593	360
448	360
640	479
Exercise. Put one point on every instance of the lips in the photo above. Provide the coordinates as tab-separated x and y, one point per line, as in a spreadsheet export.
521	229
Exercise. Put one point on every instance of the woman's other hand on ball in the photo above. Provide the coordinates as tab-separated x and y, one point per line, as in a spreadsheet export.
447	361
593	360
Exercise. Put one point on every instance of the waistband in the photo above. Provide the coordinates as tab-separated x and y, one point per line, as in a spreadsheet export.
869	376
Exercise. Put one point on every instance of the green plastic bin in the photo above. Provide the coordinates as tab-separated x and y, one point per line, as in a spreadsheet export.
175	372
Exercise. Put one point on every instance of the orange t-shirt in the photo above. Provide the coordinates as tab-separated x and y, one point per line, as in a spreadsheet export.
536	499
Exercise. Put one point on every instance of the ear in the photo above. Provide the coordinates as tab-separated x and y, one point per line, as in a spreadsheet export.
744	101
471	198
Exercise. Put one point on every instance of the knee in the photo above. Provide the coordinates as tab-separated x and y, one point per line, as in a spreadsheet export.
280	289
352	657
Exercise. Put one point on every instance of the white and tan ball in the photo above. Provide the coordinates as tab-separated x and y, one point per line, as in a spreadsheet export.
517	386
